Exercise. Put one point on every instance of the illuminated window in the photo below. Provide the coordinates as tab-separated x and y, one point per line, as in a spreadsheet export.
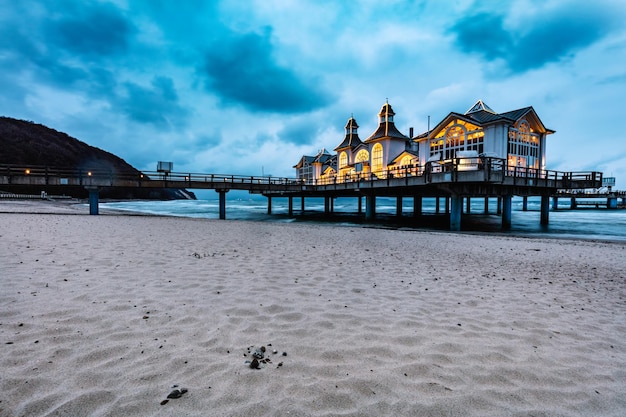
377	158
405	161
523	149
362	156
343	160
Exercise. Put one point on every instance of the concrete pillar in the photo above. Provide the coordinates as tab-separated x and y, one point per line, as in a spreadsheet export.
506	212
447	204
94	193
302	204
455	212
290	206
486	205
525	203
499	206
417	206
370	207
572	204
555	203
468	205
399	206
360	204
222	204
269	205
437	205
545	209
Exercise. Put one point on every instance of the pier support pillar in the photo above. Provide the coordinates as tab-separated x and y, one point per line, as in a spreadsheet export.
269	205
506	212
545	209
222	203
468	205
290	206
611	203
399	206
446	202
327	205
360	204
94	194
302	204
572	204
499	206
417	206
370	207
455	212
555	203
437	205
486	205
525	203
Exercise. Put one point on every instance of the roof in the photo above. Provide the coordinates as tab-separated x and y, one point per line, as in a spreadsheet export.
386	128
351	140
482	115
480	106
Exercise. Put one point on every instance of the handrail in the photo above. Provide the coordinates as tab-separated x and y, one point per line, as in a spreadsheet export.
495	169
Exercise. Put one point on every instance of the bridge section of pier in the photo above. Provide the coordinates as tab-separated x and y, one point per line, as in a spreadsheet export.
459	180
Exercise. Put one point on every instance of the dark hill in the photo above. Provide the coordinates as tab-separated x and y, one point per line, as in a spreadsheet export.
26	143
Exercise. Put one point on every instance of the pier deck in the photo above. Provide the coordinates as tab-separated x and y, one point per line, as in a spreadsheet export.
454	181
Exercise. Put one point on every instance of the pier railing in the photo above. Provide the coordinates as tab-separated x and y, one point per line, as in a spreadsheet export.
458	170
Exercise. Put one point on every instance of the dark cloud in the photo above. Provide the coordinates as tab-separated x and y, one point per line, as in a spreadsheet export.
242	70
553	35
98	30
157	105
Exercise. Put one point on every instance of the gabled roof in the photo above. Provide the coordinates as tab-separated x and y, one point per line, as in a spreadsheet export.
482	115
402	154
303	160
322	156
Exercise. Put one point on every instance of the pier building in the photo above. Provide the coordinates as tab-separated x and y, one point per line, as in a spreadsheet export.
517	136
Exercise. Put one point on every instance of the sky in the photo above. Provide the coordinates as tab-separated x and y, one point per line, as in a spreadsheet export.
248	87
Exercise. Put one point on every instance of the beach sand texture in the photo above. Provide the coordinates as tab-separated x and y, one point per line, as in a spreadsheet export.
100	315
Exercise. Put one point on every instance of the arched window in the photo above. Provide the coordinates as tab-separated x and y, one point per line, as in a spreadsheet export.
362	156
343	159
523	146
455	141
377	158
407	160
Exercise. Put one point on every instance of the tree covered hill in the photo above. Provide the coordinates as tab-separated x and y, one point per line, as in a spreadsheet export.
26	143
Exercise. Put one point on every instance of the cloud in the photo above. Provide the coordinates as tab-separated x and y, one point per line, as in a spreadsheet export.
98	30
241	70
157	105
526	42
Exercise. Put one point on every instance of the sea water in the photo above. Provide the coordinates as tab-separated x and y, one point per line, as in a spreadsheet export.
587	223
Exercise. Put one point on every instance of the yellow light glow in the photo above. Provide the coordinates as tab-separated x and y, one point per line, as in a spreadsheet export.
89	173
27	171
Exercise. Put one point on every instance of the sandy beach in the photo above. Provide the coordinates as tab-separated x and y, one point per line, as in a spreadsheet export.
101	315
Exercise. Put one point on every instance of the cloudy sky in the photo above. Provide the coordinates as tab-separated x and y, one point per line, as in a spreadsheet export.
248	87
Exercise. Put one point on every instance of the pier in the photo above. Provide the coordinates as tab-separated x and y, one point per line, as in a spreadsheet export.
454	183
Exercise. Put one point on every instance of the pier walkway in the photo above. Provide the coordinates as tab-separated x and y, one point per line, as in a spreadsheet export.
463	178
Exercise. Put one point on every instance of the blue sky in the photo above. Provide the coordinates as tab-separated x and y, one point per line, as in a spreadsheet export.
248	87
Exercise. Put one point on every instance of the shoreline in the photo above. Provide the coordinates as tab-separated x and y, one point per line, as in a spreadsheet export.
77	207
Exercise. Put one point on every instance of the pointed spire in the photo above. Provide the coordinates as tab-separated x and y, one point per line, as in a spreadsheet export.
480	106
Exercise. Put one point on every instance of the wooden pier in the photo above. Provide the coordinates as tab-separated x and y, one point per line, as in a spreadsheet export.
459	180
590	200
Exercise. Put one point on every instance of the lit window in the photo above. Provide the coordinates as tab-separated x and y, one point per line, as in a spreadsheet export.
377	158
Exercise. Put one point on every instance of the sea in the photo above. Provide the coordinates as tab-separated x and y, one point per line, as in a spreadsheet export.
587	223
